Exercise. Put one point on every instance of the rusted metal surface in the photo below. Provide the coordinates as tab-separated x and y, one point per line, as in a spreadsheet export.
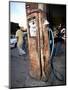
33	46
45	49
39	51
34	60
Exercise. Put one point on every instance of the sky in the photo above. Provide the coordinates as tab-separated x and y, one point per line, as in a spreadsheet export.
18	13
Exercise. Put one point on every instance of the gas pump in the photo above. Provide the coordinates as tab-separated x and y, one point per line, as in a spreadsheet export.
39	46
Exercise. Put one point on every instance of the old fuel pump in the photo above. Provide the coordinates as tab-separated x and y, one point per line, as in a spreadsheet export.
38	45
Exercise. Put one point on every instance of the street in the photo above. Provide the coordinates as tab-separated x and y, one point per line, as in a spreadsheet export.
19	69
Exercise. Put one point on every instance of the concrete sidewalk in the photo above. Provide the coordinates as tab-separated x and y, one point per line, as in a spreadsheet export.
20	71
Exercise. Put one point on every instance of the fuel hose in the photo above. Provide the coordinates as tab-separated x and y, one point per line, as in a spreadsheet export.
56	73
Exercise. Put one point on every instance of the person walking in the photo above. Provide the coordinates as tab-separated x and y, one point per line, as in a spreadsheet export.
19	36
59	48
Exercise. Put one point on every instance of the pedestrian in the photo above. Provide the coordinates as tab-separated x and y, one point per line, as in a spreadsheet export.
19	36
59	48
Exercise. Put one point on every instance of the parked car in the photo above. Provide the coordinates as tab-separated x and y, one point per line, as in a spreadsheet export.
13	41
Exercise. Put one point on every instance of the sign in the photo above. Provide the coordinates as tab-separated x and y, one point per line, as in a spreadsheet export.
32	28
